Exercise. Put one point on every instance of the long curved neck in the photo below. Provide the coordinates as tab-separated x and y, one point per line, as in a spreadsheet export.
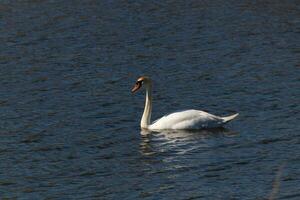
145	121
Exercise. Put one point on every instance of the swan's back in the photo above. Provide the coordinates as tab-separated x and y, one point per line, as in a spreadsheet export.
188	119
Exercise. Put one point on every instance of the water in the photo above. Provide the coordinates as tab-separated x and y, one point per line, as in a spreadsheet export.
70	125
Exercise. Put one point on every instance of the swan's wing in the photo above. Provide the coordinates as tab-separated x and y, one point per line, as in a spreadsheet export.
188	119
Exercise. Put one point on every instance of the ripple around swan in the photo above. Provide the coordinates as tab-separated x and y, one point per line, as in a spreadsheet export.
183	141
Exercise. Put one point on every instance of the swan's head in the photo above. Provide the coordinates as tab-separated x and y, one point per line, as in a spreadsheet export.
140	81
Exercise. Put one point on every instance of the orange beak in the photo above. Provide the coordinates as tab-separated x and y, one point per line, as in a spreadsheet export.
136	87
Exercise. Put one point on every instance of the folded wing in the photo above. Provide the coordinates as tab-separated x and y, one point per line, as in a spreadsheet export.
188	119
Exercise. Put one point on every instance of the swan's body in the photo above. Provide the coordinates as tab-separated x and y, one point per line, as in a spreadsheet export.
188	119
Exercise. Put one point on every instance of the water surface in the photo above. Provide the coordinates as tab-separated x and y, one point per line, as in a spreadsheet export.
70	126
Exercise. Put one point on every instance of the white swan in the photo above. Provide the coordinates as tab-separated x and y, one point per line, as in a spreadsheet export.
188	119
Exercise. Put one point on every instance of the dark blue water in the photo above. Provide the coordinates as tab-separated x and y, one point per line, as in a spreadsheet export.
70	125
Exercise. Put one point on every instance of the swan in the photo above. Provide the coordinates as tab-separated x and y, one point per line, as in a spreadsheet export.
183	120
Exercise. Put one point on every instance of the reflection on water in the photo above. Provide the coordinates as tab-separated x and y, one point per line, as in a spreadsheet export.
181	140
189	134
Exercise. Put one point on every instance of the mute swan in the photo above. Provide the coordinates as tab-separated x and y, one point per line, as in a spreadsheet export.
184	120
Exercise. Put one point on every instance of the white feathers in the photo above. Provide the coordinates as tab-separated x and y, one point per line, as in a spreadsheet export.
229	118
189	119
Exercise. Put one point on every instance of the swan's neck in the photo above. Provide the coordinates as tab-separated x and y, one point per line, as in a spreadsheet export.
145	122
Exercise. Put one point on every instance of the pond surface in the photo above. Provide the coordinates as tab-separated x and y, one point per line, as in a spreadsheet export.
70	125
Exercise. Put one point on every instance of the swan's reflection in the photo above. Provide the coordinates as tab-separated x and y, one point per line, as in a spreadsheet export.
179	141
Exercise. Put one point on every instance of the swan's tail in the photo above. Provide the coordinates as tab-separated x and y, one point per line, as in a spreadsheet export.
229	118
